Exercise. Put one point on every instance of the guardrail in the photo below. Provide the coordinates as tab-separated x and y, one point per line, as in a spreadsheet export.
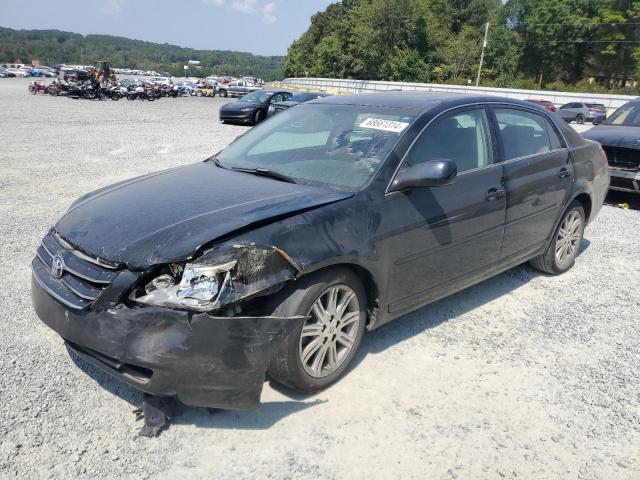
341	86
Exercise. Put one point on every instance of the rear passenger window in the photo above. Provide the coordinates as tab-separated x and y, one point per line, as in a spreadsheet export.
523	133
556	143
462	137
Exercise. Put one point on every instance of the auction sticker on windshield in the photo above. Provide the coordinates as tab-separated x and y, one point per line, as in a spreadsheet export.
384	125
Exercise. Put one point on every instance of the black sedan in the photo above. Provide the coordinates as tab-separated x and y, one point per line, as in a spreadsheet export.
620	137
253	107
331	219
297	99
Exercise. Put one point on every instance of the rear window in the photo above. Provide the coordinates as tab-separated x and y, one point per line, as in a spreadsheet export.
596	106
523	133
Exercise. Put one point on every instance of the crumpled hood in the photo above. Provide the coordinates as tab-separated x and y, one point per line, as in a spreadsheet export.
165	216
615	136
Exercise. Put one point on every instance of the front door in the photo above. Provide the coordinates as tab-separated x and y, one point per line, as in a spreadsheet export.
449	233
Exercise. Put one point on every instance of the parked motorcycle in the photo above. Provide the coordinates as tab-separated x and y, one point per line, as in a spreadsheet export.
37	87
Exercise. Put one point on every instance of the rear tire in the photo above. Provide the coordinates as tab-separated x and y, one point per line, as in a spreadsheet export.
580	120
561	254
318	352
223	93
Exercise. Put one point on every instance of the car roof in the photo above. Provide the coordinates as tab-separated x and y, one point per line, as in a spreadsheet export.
423	101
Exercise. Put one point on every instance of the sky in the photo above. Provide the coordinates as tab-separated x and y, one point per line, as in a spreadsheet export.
265	27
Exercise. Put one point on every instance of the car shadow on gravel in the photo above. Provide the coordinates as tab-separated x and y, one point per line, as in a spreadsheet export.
615	199
262	418
449	308
437	313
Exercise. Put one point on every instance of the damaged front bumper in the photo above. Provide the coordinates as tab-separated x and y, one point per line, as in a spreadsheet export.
203	360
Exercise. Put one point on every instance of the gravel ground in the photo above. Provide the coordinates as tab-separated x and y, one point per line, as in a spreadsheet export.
522	376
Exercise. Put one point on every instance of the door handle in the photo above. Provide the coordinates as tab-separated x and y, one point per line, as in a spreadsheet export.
564	173
494	194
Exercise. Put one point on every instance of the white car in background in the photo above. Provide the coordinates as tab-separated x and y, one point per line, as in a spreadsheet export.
19	72
160	80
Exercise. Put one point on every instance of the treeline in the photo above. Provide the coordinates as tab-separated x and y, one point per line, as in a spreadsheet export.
52	47
554	44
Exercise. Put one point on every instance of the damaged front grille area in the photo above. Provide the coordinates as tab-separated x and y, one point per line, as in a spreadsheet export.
627	158
71	277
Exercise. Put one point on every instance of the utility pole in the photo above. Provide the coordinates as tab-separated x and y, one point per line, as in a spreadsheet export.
484	47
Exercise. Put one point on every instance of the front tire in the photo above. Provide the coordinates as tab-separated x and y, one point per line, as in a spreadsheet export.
561	254
258	117
319	352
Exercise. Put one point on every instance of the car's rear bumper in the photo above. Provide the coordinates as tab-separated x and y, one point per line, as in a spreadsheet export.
624	180
203	360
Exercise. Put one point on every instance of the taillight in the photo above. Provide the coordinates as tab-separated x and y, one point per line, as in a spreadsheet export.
603	157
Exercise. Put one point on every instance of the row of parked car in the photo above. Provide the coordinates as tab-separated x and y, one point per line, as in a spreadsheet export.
579	112
10	70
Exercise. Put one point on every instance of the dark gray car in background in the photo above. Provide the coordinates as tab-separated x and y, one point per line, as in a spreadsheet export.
253	107
619	135
580	112
330	219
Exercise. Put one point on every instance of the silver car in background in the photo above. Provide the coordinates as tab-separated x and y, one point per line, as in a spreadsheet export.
580	112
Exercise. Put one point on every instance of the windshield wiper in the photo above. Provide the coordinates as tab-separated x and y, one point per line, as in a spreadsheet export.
216	162
263	172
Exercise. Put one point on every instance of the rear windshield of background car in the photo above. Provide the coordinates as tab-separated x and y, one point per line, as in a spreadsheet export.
596	106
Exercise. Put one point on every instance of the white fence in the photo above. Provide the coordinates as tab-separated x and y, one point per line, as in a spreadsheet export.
339	86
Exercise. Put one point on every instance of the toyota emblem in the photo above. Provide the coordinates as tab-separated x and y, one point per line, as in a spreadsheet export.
57	267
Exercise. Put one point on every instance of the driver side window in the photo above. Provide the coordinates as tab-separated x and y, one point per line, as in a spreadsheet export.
462	137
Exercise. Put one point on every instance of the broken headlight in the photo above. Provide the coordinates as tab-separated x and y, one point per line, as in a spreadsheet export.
192	286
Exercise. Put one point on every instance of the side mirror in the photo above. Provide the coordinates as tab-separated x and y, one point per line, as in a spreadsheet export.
599	119
434	173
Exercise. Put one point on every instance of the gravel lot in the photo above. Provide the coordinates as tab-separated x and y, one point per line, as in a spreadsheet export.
522	376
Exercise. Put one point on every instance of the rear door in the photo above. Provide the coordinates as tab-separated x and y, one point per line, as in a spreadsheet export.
538	175
450	233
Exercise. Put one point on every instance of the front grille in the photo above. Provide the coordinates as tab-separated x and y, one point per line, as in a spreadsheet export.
628	158
76	280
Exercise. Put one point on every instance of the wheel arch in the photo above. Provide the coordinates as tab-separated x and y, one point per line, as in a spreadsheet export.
586	202
371	286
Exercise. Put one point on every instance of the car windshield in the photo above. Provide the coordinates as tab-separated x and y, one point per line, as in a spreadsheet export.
626	116
257	96
304	97
596	106
336	146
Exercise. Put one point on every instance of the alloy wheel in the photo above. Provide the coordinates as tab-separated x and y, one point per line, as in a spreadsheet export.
568	239
330	332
